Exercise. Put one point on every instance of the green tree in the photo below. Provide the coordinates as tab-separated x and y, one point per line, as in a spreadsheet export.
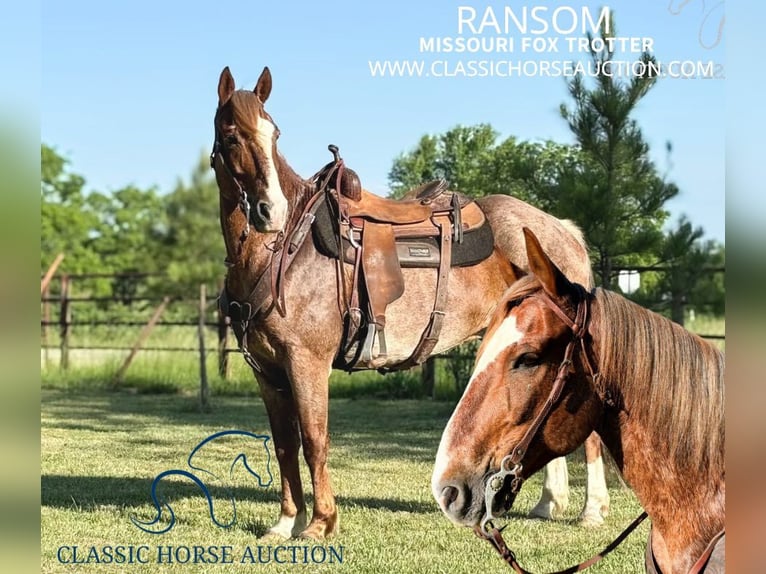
69	223
132	227
691	276
615	192
194	251
472	161
460	155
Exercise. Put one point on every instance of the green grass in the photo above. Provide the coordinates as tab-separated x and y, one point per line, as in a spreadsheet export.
100	452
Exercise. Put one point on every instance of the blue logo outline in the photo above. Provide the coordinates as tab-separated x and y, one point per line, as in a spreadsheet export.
159	503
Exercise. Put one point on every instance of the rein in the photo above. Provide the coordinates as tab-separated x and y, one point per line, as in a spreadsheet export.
511	466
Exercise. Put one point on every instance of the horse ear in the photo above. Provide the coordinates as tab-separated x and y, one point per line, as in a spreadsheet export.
225	86
263	85
552	279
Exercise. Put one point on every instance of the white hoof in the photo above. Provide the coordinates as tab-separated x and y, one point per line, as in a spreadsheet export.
591	519
549	509
288	526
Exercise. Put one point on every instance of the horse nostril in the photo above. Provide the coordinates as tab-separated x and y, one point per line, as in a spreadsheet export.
264	211
449	495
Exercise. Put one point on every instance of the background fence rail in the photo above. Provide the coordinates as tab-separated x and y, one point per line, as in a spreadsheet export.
66	293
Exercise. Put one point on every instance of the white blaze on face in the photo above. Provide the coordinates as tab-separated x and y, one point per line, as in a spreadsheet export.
274	197
504	336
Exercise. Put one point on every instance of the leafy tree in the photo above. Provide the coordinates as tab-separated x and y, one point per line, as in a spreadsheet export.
69	223
690	277
460	156
132	225
614	192
472	161
193	244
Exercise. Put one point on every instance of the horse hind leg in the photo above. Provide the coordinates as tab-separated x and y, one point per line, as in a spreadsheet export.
283	418
597	495
554	498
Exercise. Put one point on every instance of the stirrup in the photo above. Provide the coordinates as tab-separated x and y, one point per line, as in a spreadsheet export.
366	357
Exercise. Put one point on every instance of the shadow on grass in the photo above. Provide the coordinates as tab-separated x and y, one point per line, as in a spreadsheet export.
89	493
395	430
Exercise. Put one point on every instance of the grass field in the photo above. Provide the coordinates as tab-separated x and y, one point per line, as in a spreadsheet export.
101	451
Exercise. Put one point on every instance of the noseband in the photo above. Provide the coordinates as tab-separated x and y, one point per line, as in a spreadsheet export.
511	465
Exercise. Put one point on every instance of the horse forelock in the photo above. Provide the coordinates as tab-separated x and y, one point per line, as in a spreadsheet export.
667	377
246	112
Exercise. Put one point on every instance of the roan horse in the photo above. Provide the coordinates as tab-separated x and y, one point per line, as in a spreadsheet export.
558	362
261	201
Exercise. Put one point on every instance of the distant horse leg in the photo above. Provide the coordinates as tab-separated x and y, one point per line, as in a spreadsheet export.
311	394
555	496
280	406
597	496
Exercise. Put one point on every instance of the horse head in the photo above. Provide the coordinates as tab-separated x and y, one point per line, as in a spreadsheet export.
245	156
501	431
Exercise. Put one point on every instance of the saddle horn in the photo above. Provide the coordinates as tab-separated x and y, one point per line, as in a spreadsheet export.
347	183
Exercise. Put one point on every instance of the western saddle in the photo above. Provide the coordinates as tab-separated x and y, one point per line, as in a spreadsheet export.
379	236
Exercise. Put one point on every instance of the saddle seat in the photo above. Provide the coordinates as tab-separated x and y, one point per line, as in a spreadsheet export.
398	211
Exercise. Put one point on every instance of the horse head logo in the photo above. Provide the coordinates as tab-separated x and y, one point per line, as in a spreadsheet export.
206	463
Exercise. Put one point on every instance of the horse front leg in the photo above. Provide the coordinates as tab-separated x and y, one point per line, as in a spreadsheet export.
596	493
309	378
554	498
283	418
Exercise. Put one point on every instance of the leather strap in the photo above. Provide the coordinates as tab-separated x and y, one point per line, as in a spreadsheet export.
495	537
430	336
269	282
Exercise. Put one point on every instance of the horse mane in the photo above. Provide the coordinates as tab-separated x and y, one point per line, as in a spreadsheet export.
667	377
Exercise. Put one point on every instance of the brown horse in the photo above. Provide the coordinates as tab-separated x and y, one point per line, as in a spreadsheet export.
261	199
557	363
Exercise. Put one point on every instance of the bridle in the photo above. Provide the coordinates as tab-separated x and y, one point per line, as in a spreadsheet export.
512	465
244	200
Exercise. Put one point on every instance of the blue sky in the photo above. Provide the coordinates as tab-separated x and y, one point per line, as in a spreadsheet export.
129	88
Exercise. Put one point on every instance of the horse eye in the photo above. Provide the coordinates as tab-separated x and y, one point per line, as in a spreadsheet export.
527	361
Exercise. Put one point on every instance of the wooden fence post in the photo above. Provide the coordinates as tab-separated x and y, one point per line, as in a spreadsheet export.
65	320
143	335
46	320
428	377
223	341
49	274
204	389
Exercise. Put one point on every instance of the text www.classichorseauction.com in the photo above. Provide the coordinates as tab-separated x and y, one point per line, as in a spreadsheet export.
206	471
548	42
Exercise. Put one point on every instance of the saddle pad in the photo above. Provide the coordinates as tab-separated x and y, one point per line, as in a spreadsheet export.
477	244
